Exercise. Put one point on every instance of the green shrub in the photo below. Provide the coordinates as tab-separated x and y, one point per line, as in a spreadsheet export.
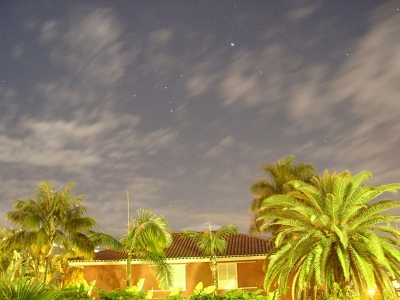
79	291
200	293
26	289
175	294
15	284
133	293
121	295
239	294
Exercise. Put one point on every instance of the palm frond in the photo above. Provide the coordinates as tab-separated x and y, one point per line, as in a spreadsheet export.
101	238
162	270
366	213
147	238
328	232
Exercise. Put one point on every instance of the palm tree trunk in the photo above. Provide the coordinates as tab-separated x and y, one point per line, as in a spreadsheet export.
128	270
213	266
48	263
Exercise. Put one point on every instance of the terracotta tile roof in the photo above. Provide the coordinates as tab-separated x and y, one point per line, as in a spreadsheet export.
109	255
238	245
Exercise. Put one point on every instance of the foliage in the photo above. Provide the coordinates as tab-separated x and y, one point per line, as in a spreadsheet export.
121	295
239	294
5	253
175	294
273	295
66	275
203	293
133	292
16	285
211	242
78	291
53	223
147	238
208	293
278	176
338	294
330	232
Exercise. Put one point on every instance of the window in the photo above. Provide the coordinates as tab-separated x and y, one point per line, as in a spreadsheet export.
179	272
227	276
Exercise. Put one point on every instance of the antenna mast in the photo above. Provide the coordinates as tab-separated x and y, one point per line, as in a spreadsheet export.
129	210
128	259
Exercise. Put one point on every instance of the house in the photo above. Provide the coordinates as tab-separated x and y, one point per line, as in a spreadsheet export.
241	266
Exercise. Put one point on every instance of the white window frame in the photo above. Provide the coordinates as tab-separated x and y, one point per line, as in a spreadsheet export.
179	275
227	276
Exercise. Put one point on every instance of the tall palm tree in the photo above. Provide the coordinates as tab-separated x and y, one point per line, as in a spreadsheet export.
147	238
211	243
278	175
331	233
55	220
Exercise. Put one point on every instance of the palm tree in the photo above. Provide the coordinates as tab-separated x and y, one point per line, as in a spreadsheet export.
211	243
331	233
55	220
278	175
147	238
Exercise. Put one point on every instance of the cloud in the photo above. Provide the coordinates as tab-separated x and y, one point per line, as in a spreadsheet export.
75	145
160	37
360	109
254	79
18	50
52	144
301	12
223	218
146	190
49	31
198	85
91	59
220	148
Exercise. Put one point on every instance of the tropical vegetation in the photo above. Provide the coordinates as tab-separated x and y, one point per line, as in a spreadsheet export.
14	284
53	226
333	231
276	182
130	293
211	243
335	237
147	238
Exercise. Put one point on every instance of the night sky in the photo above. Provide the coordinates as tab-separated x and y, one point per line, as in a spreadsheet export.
179	102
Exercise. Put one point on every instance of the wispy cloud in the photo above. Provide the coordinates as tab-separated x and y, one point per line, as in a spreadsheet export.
220	148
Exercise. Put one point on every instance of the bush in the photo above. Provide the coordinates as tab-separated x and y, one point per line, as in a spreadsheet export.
240	294
79	291
133	293
121	295
15	283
